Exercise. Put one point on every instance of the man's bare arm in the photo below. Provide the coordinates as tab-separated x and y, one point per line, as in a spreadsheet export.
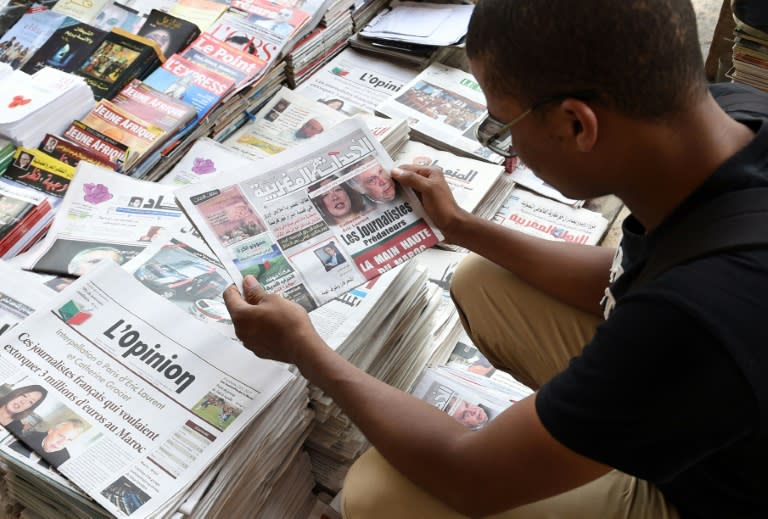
511	462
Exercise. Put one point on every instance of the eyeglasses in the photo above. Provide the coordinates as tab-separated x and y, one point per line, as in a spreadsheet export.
496	135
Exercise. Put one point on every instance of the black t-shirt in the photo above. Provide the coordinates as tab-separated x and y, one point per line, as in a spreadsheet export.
673	387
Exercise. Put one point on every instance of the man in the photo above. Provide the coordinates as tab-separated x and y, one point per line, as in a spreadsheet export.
23	161
663	413
52	445
310	128
375	183
333	258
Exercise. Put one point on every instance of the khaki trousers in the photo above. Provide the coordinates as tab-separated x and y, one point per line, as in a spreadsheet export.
527	333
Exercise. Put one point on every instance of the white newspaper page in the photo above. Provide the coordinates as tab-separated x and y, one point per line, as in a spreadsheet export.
315	222
206	159
104	215
545	218
470	180
287	120
20	294
354	82
523	175
446	104
139	398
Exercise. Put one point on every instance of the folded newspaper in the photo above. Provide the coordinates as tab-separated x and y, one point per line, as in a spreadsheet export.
313	223
135	398
545	218
104	215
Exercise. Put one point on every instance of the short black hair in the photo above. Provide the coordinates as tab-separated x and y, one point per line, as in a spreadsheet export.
641	58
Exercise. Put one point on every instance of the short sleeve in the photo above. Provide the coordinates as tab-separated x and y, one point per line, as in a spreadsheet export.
652	394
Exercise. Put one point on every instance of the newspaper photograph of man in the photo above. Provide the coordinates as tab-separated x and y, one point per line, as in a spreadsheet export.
76	258
375	184
330	256
52	437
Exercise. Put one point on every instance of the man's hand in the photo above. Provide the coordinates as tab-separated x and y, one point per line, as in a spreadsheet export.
268	324
436	197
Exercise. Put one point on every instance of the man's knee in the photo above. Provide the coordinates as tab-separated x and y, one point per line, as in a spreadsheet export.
362	496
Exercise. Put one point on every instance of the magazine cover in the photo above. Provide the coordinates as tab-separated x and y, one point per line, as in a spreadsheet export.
190	83
314	222
79	9
146	103
225	59
171	33
67	48
20	42
115	61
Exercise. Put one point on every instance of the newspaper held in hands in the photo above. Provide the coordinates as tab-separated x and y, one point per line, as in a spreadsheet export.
140	397
313	223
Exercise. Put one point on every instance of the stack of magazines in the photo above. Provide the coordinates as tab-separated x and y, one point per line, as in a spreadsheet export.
320	45
750	57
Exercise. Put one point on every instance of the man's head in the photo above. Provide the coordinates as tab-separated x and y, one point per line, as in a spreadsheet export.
62	434
375	183
309	129
329	250
24	160
580	67
640	57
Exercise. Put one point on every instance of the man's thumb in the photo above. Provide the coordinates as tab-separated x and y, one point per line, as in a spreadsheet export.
253	292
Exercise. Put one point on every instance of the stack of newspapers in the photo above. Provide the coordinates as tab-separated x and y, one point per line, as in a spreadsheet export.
46	101
325	41
138	406
545	218
392	330
478	187
354	82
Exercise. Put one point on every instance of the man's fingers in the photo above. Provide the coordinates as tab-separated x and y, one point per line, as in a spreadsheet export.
252	290
411	178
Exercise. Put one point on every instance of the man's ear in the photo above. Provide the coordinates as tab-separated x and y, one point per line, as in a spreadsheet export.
582	123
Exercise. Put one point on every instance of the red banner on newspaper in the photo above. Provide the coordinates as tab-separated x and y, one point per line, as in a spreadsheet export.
409	242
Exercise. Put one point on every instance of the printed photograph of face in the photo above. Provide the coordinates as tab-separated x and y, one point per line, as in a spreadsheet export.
19	403
75	258
340	204
56	428
375	183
